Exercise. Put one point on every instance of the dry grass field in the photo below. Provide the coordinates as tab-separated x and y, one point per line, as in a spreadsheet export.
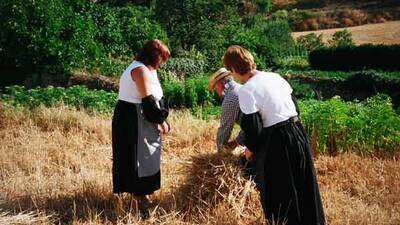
381	33
55	168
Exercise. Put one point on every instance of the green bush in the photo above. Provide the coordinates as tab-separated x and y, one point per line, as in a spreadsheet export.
292	62
57	37
268	40
297	17
338	74
78	96
263	6
302	90
184	67
222	26
189	93
174	91
310	41
138	24
356	57
341	38
31	33
355	126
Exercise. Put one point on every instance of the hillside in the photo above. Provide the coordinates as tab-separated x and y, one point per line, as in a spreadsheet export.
306	15
382	33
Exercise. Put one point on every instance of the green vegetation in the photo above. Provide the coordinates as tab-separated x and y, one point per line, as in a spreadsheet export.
310	41
366	126
188	93
356	57
57	37
341	39
337	74
78	96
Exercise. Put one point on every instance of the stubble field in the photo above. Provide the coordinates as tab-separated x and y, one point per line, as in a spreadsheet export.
55	168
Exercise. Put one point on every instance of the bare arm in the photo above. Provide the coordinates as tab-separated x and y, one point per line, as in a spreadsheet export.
141	77
152	110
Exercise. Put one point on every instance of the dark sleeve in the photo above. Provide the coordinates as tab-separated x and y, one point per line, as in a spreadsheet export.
294	99
252	127
154	113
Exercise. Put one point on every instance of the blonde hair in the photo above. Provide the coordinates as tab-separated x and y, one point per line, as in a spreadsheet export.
240	59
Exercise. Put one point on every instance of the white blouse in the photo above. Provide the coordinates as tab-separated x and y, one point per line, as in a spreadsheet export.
128	90
270	95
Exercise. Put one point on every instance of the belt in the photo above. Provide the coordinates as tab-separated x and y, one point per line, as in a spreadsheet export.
293	119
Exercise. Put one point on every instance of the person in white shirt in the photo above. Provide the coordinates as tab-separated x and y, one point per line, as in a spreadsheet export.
138	122
277	142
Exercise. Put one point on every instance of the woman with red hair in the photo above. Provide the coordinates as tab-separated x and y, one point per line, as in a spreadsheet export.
138	123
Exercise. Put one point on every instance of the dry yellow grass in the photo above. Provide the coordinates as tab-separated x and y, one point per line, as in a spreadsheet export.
381	33
55	168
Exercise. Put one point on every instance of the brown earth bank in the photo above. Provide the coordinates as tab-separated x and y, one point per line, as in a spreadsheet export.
324	14
55	168
381	33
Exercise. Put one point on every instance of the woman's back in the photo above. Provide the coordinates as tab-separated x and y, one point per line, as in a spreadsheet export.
269	94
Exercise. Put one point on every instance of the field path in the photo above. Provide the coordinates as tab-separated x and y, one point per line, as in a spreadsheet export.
381	33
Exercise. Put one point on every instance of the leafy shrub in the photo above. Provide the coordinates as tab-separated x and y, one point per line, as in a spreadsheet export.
267	40
264	6
356	57
174	91
341	38
212	34
186	22
365	126
297	17
282	14
339	74
77	96
302	90
138	24
293	62
57	37
30	31
355	126
189	93
310	41
184	67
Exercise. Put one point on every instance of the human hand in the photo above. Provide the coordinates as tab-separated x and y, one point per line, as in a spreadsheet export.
248	154
165	128
230	146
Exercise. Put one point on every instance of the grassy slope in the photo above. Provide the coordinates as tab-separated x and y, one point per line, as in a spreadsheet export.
57	162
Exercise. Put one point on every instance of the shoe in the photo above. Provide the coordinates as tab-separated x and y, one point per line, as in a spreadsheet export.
144	205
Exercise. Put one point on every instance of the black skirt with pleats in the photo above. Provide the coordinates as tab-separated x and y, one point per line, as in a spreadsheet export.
286	177
125	147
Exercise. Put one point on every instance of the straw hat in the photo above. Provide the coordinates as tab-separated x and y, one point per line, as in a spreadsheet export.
217	76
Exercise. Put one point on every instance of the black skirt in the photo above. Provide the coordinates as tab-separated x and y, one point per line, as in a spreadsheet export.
125	147
286	177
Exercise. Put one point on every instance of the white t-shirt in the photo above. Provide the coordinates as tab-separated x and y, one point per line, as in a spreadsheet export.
269	94
128	90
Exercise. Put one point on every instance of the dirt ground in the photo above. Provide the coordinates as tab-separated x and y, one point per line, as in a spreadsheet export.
381	33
